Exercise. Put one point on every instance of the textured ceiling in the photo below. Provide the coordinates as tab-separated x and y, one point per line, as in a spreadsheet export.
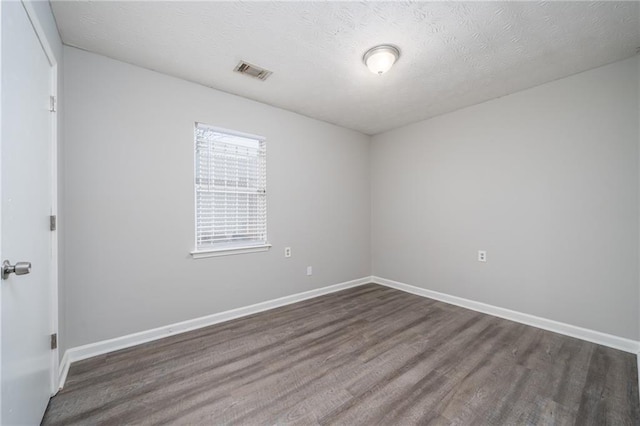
454	54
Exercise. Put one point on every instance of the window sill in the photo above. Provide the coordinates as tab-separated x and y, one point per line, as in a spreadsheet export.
201	254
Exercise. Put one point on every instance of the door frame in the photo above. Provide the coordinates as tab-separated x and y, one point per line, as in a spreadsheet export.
53	276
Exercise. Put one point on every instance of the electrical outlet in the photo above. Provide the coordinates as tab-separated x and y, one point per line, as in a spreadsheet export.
287	252
309	270
482	256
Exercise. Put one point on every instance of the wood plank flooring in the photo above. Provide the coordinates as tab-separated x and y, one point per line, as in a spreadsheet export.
363	356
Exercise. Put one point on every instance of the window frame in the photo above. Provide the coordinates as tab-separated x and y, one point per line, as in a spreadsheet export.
197	253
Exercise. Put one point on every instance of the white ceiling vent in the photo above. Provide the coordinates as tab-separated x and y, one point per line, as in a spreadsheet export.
252	70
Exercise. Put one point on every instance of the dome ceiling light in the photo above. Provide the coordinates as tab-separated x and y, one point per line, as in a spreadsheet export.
380	59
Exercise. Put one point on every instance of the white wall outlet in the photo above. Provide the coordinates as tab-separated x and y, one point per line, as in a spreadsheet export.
482	255
287	252
309	270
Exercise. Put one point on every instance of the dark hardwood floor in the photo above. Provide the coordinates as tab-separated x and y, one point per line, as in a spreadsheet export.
368	355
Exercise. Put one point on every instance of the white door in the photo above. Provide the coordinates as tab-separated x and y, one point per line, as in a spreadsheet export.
25	206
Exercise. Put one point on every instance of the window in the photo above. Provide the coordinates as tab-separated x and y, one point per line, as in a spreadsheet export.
230	192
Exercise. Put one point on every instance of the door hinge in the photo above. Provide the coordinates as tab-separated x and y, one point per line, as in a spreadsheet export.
52	103
54	341
52	222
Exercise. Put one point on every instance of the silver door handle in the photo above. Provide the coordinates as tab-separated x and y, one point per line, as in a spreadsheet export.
20	268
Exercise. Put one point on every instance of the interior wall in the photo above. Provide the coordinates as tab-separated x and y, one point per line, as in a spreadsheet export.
544	180
129	201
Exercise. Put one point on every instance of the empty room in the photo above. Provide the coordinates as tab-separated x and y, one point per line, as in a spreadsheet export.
319	212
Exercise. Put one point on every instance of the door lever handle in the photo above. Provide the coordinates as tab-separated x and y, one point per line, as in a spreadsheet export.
20	268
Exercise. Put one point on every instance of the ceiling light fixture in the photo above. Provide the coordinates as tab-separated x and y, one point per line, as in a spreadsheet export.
381	58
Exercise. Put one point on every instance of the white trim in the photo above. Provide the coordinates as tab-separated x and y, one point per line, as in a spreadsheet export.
53	62
65	364
40	32
598	337
638	371
106	346
200	254
231	132
54	234
1	153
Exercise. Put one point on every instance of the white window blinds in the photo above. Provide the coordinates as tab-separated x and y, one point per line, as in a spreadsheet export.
230	186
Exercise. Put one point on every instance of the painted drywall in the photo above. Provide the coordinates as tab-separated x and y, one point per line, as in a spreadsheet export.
544	180
129	201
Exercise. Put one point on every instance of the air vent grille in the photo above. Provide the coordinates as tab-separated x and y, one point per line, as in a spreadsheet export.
252	70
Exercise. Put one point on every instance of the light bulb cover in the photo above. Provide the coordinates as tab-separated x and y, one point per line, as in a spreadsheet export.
380	59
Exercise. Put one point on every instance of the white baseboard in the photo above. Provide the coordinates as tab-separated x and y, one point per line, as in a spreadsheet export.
598	337
99	348
63	370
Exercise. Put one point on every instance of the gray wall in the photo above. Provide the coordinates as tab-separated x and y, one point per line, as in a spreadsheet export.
545	180
129	201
